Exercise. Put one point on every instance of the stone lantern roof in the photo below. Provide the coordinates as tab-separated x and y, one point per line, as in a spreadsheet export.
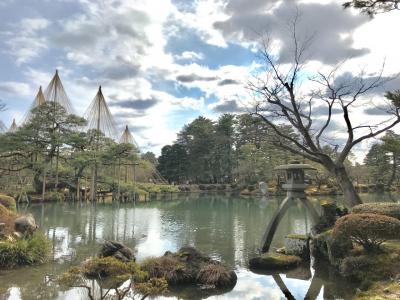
294	165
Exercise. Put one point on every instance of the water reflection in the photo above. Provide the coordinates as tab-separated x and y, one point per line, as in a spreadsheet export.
225	228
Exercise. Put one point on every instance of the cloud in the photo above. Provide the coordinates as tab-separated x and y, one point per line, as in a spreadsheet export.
15	88
333	27
190	55
194	77
25	41
228	82
378	110
136	104
229	106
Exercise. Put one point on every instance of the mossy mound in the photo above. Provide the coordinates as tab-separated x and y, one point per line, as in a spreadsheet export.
8	202
272	261
110	273
382	208
188	266
380	291
7	217
30	251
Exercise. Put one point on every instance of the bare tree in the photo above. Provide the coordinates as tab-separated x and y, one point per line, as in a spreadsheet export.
279	100
373	7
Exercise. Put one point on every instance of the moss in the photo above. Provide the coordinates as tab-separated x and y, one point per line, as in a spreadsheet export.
380	290
382	208
274	261
168	267
8	202
370	267
30	251
297	236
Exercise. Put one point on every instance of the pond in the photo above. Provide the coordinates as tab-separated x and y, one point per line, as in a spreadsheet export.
228	228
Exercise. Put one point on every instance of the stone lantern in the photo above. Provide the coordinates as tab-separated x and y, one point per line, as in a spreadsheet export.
294	186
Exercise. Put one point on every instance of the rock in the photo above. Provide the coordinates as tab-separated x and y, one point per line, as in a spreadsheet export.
189	266
300	273
297	244
271	261
281	250
117	250
25	224
17	235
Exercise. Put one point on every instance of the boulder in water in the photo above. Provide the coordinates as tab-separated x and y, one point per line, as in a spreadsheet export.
25	224
117	250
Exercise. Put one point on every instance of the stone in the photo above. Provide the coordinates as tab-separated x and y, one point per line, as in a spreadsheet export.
298	245
25	224
117	250
271	261
17	235
301	273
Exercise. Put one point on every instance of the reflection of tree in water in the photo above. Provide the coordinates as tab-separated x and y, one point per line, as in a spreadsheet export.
227	227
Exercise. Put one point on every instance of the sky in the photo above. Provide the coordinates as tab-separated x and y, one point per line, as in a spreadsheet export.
162	63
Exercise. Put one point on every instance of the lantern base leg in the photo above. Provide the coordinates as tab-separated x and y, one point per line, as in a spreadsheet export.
273	224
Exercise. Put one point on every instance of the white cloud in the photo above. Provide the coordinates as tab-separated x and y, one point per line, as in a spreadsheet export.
25	41
15	88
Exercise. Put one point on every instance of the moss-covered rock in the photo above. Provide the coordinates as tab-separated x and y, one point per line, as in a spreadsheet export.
382	208
271	261
7	218
298	245
188	266
8	202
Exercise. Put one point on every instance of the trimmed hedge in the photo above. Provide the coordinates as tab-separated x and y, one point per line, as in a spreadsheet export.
380	208
368	230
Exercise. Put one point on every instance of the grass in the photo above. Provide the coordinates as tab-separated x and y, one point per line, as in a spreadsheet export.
167	267
7	217
380	291
8	202
216	274
275	261
31	251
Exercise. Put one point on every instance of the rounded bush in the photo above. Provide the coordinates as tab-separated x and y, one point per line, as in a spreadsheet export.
380	208
368	230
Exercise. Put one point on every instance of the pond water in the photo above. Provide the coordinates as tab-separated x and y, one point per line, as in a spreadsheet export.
227	228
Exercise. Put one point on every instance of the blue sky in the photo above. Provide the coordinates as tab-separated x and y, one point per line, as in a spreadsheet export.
162	63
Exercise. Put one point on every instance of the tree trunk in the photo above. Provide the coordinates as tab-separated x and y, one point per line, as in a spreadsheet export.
351	197
394	167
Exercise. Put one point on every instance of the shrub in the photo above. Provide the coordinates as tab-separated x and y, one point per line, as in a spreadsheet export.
368	230
102	267
202	187
167	267
216	274
31	251
8	202
380	208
